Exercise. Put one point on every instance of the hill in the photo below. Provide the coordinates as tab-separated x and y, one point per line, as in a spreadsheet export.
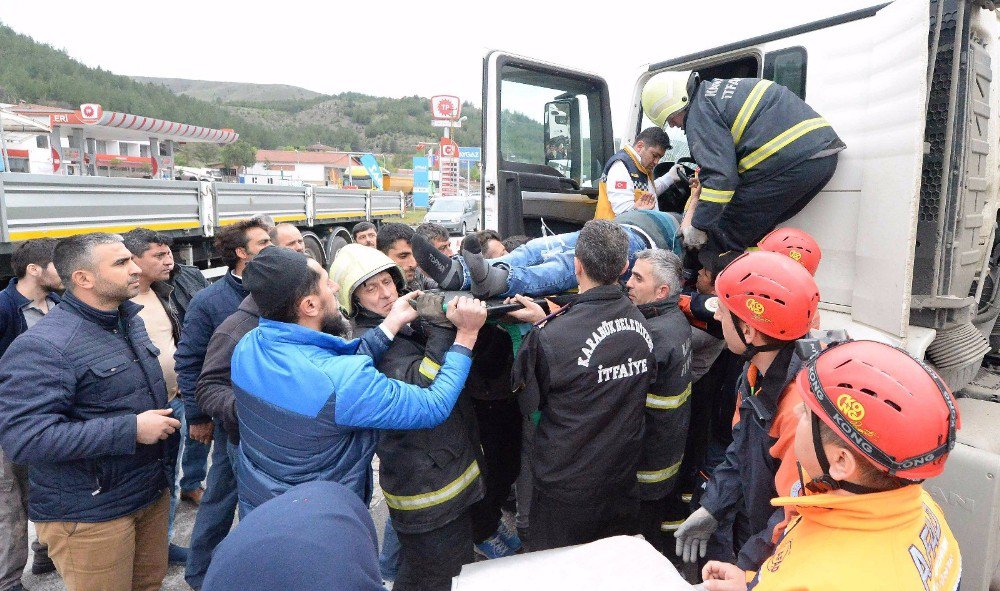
39	73
209	90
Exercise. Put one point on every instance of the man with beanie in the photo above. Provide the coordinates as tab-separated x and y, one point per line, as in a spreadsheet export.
308	401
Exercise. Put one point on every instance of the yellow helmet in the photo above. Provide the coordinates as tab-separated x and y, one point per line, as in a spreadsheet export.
356	264
667	93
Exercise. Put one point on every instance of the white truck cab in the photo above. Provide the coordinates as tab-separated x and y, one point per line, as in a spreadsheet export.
907	224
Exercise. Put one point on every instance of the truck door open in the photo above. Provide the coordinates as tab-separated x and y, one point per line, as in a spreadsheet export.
546	137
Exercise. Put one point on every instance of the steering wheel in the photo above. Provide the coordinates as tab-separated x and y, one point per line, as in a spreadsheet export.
676	195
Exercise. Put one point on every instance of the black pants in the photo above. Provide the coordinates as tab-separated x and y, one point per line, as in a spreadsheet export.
651	516
431	559
757	208
500	436
556	523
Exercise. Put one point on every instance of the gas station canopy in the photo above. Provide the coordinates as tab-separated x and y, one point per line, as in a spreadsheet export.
112	125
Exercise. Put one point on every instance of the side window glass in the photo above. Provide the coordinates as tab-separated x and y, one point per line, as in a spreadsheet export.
551	125
787	67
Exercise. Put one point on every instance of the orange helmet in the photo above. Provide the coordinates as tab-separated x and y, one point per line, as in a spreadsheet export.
885	404
770	292
794	243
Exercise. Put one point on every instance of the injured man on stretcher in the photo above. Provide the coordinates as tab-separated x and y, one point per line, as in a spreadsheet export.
543	266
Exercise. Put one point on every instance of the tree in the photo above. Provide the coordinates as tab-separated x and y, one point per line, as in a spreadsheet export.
239	154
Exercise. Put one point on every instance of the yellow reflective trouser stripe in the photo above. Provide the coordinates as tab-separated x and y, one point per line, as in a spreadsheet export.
716	196
654	476
442	495
428	368
748	108
668	402
671	525
783	139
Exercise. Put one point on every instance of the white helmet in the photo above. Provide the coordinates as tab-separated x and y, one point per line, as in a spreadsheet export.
668	93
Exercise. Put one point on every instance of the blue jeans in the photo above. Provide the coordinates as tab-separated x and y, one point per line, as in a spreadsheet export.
544	266
216	511
193	455
390	556
192	459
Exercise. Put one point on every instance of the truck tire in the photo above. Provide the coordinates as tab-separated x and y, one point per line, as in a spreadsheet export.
314	247
335	241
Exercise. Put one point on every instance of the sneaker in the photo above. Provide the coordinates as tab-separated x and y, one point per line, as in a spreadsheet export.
493	547
177	554
509	536
41	563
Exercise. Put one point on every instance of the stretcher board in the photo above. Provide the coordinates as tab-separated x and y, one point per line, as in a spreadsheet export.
496	307
622	562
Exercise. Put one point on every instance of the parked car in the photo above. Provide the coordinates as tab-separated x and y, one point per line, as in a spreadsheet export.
457	215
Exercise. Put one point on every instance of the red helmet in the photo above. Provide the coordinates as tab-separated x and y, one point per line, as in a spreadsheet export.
770	292
885	404
794	243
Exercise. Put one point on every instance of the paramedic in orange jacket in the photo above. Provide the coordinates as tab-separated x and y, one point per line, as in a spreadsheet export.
874	424
766	302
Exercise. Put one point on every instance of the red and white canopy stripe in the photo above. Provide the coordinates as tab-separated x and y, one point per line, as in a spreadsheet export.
181	132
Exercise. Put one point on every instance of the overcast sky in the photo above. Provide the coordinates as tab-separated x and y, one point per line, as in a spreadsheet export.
396	48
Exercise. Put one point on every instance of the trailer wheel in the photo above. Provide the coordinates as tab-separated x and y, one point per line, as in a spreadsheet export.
335	241
314	247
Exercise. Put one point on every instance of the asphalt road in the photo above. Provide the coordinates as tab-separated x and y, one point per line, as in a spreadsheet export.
184	522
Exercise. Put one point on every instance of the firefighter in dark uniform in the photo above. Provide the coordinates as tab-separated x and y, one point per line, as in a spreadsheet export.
655	288
763	153
584	373
430	477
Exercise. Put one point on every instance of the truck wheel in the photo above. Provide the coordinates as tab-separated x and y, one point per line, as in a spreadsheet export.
314	247
334	242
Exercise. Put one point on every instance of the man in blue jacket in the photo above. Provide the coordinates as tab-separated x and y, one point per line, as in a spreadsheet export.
236	244
308	401
28	297
83	403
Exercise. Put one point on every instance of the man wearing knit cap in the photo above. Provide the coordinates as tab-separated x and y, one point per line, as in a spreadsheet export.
309	401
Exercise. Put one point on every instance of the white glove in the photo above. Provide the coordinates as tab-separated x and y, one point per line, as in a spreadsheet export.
692	536
677	174
693	237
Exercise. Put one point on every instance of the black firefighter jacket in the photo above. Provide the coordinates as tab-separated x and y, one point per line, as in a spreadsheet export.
429	476
668	408
746	130
587	372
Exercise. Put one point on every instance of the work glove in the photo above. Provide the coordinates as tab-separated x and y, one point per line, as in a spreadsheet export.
693	237
677	174
431	308
692	536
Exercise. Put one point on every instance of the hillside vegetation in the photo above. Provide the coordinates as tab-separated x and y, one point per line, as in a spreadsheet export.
270	116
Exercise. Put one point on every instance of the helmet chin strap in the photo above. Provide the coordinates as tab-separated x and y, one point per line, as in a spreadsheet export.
751	351
826	483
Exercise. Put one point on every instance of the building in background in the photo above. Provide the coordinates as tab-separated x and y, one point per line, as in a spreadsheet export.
94	142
